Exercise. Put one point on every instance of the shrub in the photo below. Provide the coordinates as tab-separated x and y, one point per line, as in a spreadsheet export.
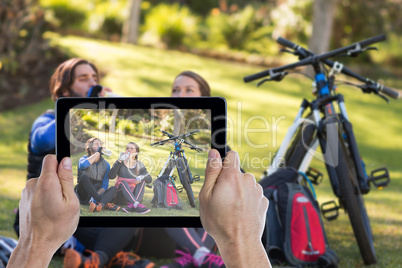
169	25
243	30
127	126
91	120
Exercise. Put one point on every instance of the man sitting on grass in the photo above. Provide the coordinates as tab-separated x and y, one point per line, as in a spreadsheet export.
93	181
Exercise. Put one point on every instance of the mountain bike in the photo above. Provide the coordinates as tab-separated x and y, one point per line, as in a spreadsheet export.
177	159
330	128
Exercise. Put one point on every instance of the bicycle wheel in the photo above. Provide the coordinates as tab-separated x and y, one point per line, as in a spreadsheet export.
184	176
298	149
353	202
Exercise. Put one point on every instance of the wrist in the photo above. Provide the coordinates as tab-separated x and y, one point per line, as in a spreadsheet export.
26	254
239	253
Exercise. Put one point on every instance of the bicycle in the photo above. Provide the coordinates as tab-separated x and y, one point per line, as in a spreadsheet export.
333	132
177	159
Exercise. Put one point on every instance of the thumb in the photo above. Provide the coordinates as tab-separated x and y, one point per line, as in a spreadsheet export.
212	171
65	173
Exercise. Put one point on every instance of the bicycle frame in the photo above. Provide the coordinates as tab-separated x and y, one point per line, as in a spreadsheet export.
324	99
172	159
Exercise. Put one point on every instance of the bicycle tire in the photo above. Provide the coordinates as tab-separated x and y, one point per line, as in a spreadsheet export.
353	202
296	152
184	176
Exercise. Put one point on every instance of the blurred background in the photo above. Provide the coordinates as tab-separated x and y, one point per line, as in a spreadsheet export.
140	46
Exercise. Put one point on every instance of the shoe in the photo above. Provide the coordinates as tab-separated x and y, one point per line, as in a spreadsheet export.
129	260
74	259
112	207
95	207
212	261
186	260
141	209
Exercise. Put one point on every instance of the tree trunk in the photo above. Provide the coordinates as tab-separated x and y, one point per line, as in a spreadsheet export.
112	125
323	17
131	25
178	122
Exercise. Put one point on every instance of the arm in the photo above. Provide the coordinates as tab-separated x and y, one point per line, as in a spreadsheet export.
43	134
86	161
226	199
144	172
46	204
115	169
83	163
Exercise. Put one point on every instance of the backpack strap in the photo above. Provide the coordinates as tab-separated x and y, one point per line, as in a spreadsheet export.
328	260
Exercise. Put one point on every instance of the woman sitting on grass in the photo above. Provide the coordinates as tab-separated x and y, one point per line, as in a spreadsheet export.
93	183
131	178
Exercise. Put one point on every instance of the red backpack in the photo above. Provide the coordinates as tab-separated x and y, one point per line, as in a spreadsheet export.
165	194
295	232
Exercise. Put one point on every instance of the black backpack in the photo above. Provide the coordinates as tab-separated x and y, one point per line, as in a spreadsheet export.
294	231
165	194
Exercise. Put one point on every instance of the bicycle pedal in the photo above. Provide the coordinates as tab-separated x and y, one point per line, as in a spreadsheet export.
148	185
330	210
380	178
179	189
196	178
314	175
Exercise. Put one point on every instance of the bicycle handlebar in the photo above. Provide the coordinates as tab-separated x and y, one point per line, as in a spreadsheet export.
171	137
307	57
287	43
389	92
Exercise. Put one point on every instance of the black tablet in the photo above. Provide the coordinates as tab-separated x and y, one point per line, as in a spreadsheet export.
147	154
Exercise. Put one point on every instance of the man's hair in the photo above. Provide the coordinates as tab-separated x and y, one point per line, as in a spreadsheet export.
202	83
63	77
137	148
89	144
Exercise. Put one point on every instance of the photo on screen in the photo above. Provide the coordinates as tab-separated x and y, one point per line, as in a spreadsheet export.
171	143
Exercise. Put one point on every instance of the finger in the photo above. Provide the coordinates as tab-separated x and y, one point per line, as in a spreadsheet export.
212	171
232	161
48	173
65	173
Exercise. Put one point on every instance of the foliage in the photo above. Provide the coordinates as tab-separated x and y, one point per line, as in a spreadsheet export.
359	20
21	44
292	19
170	25
242	30
63	15
102	19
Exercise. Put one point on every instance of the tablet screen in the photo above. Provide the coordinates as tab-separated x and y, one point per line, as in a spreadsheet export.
145	159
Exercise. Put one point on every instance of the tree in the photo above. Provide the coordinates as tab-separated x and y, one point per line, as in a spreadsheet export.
323	17
131	25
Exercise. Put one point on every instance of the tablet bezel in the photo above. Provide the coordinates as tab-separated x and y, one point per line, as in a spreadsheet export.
217	106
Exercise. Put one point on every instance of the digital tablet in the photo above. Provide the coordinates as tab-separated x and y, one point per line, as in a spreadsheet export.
139	162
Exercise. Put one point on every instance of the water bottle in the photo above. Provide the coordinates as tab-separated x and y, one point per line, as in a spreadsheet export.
105	151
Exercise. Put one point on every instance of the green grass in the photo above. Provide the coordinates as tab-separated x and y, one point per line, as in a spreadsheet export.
258	120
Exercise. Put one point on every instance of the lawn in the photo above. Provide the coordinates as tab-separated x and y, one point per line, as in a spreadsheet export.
258	120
